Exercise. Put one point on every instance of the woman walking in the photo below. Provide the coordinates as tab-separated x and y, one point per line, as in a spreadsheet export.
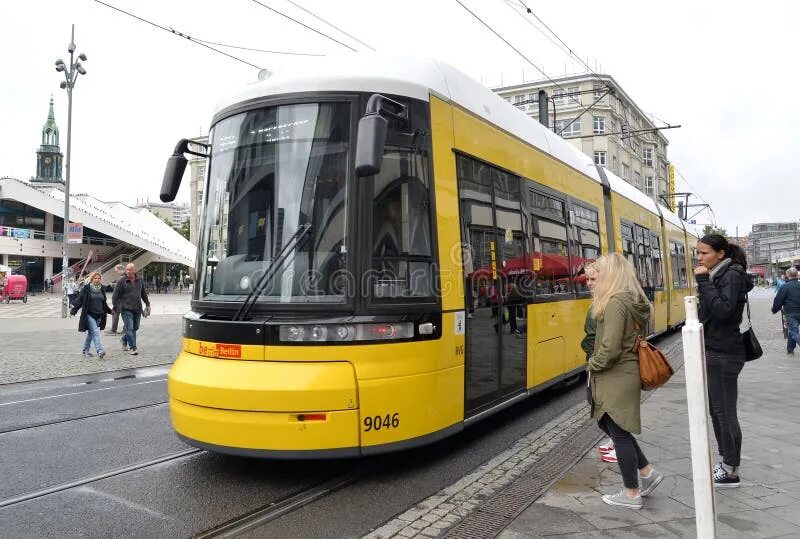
722	287
91	301
621	310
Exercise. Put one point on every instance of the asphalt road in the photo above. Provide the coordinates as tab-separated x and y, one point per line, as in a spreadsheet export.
65	433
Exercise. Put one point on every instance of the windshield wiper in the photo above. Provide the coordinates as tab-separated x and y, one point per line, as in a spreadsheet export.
266	279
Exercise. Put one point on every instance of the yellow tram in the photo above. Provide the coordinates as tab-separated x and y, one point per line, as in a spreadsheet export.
387	252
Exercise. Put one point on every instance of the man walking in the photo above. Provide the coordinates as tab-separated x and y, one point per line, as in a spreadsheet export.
119	269
788	299
129	293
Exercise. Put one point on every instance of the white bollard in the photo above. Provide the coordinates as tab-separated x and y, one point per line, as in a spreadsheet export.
694	364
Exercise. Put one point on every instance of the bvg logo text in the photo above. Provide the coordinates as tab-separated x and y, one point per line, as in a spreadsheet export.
233	351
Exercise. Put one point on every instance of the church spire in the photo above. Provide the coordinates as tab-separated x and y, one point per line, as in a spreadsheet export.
49	157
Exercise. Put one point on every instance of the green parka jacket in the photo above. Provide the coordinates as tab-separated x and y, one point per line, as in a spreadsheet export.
614	366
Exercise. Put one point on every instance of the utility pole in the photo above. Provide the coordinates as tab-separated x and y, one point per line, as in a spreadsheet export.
71	75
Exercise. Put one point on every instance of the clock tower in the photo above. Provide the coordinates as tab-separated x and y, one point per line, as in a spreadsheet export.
49	157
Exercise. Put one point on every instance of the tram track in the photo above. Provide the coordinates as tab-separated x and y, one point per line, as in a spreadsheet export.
276	509
88	416
32	495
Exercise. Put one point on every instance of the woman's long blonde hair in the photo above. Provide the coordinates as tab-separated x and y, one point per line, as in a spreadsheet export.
615	274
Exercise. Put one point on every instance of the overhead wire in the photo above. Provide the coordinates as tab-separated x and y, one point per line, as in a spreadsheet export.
304	25
504	40
354	38
290	53
179	34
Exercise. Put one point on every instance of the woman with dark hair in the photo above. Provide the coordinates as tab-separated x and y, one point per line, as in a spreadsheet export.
722	286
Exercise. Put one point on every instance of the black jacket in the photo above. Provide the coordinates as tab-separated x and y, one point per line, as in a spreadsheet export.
721	303
128	295
82	303
788	298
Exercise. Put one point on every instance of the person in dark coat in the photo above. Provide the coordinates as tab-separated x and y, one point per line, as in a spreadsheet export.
788	299
722	287
91	301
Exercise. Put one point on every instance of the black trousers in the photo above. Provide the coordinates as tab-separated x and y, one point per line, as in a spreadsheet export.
630	458
722	371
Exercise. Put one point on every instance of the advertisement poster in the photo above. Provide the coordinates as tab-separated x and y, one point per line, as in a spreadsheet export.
75	233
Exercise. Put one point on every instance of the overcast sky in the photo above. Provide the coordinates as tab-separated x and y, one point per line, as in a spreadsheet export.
723	70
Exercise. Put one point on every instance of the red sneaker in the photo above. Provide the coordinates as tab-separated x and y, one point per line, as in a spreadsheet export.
606	447
611	456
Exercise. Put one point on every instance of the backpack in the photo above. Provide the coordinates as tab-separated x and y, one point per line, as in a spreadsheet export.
654	369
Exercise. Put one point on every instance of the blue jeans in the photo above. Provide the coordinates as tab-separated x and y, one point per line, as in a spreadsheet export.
92	335
131	320
794	332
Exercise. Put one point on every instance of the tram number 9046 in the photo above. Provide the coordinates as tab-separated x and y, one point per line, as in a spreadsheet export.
378	422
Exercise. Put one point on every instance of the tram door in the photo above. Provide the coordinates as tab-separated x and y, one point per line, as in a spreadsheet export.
494	261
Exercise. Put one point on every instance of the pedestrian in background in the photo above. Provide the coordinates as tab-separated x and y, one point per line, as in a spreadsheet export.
722	287
129	293
621	310
91	301
119	269
788	299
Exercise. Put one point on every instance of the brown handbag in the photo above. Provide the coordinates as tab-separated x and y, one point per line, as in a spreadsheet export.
654	369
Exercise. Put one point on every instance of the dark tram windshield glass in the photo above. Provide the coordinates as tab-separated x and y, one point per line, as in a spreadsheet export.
274	172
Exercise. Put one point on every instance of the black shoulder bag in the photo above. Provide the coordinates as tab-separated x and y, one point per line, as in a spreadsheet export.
752	348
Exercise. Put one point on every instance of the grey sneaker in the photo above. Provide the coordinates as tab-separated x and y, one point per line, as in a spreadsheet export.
648	484
134	352
124	344
621	499
101	354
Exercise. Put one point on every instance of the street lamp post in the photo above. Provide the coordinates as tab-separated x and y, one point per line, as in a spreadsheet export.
71	73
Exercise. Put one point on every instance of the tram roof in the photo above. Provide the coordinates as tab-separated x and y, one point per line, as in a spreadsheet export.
417	78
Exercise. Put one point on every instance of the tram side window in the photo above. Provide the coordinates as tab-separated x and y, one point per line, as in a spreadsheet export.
585	243
402	261
550	256
644	260
678	264
628	246
658	271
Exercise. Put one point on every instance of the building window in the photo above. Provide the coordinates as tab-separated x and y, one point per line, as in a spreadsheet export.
649	185
614	164
519	99
558	97
637	181
635	148
626	174
574	95
599	89
599	125
600	158
648	156
533	97
572	128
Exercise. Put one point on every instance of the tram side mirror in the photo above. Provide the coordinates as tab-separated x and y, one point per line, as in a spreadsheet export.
176	166
370	144
372	130
173	174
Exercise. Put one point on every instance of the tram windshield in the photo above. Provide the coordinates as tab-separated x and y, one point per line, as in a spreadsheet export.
273	171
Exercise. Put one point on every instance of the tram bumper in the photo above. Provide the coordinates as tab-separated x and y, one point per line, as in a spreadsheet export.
265	408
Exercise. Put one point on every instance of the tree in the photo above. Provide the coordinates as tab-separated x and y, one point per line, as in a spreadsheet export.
183	230
710	229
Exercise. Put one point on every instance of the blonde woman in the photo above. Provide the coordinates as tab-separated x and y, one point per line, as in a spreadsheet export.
621	309
92	303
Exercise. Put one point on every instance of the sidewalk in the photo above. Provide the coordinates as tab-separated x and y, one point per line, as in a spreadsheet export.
766	505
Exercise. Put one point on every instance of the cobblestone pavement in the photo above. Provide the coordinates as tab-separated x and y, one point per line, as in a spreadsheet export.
434	515
36	343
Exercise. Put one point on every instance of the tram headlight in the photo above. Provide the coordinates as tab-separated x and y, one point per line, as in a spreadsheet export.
346	333
292	333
